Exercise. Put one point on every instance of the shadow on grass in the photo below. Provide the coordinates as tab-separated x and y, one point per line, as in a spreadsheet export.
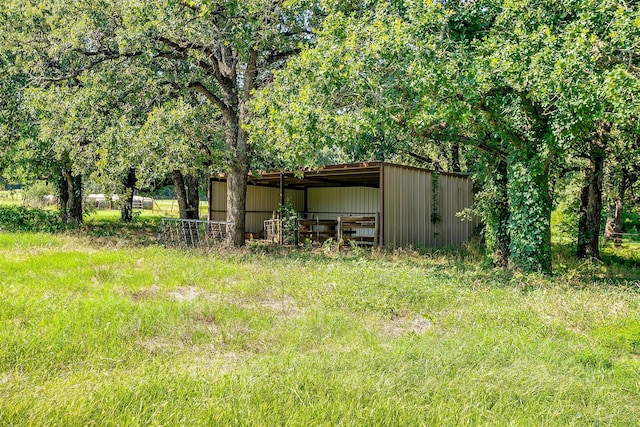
140	231
617	266
627	255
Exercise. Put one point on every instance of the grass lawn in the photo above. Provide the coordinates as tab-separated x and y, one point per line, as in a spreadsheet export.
169	208
98	332
13	197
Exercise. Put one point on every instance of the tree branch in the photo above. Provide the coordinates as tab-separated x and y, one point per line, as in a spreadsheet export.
251	74
106	56
277	56
199	87
182	51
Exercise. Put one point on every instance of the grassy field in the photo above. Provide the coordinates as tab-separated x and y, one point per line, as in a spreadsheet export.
161	207
10	197
96	330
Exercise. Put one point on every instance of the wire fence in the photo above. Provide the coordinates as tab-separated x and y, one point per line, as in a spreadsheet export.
192	233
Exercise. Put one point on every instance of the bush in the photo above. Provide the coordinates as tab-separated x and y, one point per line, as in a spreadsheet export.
631	222
21	218
564	225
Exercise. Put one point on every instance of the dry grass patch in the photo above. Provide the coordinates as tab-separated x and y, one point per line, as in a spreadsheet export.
410	323
144	293
185	293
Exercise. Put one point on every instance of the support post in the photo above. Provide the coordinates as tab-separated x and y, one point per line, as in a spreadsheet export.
376	236
281	233
380	217
281	189
305	201
210	199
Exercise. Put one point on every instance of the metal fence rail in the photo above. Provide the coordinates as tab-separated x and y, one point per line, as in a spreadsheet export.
192	233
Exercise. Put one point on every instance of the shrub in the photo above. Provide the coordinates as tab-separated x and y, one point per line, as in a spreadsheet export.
631	222
21	218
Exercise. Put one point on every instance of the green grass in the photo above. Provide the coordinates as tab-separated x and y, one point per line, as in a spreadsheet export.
169	208
13	197
98	332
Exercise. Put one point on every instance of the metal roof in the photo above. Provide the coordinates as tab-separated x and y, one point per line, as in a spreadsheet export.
365	174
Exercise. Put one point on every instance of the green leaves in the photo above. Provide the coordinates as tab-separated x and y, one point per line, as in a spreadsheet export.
20	218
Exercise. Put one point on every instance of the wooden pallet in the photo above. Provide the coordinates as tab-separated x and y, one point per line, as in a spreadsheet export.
316	230
349	225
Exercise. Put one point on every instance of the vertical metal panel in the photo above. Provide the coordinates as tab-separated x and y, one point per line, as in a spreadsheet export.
407	207
456	194
209	195
381	241
219	199
329	203
261	203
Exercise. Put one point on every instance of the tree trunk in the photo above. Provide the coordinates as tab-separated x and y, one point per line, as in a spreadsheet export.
187	206
63	196
530	211
236	138
496	216
181	194
233	106
590	216
455	157
615	224
70	197
609	233
193	197
236	202
75	199
126	210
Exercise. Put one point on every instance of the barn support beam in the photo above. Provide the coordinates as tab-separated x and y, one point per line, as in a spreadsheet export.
210	199
381	209
281	189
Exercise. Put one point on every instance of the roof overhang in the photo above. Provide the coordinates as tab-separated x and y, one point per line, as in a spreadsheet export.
344	175
366	174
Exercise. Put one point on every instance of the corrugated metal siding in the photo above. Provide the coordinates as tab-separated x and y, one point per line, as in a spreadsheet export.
456	194
408	208
261	203
329	203
219	197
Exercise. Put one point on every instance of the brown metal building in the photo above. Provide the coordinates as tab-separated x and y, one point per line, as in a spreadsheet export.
412	206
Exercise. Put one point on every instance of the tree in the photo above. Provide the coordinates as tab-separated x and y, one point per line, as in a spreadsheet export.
185	137
223	50
521	81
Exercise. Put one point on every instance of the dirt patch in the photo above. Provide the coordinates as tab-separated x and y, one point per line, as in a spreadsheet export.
157	346
576	330
410	324
185	293
144	293
192	293
284	305
211	362
7	379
